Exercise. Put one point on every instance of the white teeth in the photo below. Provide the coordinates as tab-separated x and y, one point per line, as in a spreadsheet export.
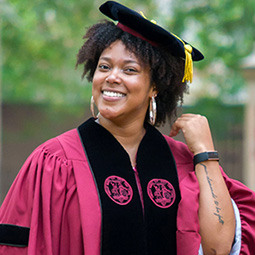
113	94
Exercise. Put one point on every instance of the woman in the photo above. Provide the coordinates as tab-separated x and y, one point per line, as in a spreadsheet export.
115	185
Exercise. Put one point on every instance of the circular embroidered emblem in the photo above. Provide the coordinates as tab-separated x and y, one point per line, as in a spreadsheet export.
118	190
161	192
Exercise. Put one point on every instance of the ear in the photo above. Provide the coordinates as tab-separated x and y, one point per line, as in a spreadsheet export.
153	91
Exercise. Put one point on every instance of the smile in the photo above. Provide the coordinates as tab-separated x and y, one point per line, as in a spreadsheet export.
113	94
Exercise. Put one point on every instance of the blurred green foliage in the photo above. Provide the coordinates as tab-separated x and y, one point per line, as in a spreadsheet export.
214	110
226	35
41	38
40	43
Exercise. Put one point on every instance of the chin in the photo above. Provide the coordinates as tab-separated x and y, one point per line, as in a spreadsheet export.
108	114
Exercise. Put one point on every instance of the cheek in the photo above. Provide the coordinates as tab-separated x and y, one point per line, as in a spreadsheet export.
96	84
94	80
145	89
95	92
98	77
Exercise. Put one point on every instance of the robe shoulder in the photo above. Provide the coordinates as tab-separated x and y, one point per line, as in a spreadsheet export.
180	151
66	146
48	166
43	198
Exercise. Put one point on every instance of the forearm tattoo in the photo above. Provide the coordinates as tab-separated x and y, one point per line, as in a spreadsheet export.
216	203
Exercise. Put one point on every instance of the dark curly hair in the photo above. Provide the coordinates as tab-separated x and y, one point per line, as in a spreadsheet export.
166	70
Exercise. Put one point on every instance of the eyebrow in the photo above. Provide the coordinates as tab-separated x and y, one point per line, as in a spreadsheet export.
126	61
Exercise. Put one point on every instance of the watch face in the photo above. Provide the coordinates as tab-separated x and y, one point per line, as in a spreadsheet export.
213	155
205	156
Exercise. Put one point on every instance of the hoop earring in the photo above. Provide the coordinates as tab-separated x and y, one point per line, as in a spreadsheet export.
153	111
92	108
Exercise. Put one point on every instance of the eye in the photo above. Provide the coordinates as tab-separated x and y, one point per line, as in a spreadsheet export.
103	67
130	70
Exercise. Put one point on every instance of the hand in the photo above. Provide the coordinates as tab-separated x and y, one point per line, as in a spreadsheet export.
196	132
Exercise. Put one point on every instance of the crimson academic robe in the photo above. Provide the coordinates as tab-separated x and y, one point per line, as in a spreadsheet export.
56	197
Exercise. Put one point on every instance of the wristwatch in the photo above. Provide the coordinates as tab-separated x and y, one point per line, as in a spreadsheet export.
205	156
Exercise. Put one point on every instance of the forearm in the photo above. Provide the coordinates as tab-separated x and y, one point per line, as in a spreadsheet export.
216	214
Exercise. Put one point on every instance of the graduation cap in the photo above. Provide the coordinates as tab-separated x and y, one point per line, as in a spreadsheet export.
138	25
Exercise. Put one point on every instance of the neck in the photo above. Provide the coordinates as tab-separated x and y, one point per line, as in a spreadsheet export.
126	133
129	135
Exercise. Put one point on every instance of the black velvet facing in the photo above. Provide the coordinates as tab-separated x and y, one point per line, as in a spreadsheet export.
125	229
14	235
155	160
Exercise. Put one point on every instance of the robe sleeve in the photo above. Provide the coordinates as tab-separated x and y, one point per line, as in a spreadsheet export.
244	199
236	248
41	198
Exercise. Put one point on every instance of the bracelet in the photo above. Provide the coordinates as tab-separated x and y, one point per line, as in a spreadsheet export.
205	156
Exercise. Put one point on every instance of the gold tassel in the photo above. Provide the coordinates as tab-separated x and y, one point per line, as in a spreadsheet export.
188	71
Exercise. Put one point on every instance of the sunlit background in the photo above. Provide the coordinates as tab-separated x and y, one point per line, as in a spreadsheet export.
42	95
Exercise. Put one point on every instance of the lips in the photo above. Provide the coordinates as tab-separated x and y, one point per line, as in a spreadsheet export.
113	94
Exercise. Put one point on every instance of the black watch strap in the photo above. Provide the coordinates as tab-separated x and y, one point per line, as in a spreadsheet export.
205	156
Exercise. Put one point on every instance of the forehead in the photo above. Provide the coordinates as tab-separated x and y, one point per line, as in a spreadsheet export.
119	49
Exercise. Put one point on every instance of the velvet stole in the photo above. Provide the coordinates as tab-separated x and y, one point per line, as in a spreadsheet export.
126	229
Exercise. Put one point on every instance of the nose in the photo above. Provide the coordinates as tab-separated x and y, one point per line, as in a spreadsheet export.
114	77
